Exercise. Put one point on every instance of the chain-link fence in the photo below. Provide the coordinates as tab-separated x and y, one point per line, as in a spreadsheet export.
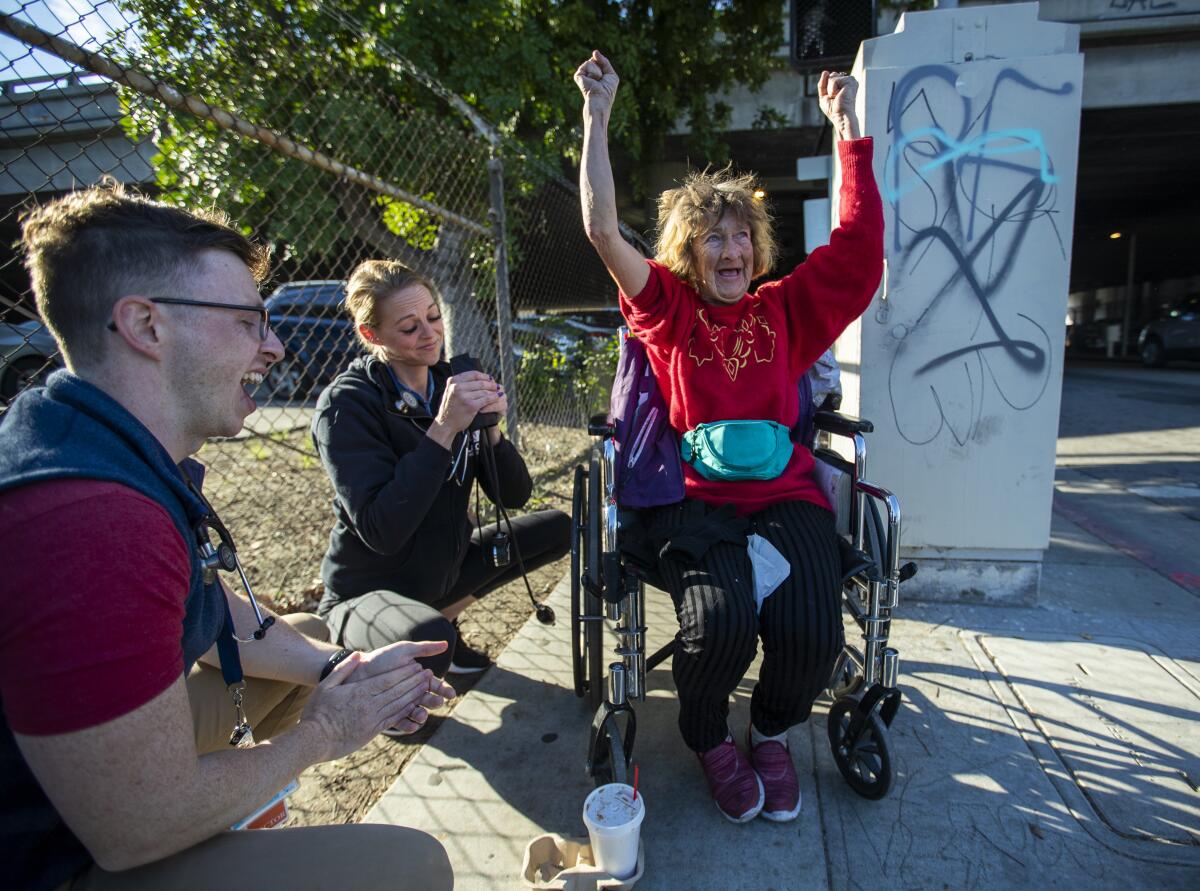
320	141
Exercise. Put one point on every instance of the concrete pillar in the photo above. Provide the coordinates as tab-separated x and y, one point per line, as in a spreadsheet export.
958	362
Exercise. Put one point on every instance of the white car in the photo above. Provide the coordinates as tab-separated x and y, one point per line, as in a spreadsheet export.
1175	336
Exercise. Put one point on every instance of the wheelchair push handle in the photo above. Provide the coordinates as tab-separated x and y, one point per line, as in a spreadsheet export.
841	425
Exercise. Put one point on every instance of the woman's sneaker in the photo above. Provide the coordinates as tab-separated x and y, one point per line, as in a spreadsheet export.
735	787
773	763
466	659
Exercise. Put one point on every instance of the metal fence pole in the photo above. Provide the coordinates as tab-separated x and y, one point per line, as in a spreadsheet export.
503	303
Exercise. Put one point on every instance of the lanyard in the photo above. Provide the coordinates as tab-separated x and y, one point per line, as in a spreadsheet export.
407	392
224	556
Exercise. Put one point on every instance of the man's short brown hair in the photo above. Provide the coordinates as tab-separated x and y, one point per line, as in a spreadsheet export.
88	249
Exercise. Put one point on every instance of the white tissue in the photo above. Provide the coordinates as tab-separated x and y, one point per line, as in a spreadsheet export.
769	566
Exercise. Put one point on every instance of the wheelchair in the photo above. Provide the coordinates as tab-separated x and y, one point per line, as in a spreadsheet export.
608	591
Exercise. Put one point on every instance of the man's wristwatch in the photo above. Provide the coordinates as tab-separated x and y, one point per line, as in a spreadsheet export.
332	663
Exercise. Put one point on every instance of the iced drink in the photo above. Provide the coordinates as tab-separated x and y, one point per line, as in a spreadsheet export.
614	821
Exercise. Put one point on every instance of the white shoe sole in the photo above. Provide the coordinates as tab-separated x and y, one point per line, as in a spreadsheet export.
750	814
784	816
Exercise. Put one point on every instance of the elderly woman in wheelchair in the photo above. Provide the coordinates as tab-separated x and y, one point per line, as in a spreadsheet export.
751	551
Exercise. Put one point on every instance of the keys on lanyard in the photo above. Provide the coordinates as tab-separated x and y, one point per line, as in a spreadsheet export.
242	736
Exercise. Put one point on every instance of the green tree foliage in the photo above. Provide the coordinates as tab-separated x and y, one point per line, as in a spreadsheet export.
330	74
293	65
514	60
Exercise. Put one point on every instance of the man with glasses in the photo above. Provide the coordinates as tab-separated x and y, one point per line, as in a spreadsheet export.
144	707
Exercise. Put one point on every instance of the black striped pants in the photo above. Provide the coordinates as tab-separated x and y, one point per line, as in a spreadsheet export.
800	623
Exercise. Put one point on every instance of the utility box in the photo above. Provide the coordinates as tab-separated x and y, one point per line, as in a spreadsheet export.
958	361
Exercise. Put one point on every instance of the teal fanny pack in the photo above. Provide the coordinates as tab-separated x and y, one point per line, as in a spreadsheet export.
737	450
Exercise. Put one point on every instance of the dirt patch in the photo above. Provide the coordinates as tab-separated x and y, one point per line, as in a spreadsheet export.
272	492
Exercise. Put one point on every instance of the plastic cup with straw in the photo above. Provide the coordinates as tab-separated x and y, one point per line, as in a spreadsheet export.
613	814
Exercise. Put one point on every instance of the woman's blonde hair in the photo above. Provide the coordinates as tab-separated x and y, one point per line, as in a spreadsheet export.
694	208
374	281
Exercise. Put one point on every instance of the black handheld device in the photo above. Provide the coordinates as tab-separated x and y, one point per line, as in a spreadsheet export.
466	362
504	544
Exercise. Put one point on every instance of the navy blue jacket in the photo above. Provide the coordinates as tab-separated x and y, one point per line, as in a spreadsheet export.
72	430
399	523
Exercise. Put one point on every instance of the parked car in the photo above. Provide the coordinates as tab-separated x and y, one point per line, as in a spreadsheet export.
532	334
28	354
1092	338
596	324
1175	336
1087	337
317	334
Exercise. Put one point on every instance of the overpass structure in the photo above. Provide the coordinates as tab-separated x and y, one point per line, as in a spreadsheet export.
1137	175
58	132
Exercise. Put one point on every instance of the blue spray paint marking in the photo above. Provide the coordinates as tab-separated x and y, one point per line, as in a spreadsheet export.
938	162
1018	140
911	89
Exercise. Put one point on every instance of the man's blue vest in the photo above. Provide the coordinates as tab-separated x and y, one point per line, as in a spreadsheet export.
72	430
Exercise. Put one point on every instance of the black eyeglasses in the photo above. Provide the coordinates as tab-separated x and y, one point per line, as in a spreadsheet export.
264	320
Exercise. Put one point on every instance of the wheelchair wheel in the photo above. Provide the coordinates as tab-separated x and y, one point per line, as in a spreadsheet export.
578	524
593	631
846	678
865	762
610	761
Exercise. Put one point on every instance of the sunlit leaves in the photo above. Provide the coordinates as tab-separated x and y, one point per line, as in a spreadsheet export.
418	227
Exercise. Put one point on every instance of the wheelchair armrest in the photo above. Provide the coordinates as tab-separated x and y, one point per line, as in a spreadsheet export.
842	425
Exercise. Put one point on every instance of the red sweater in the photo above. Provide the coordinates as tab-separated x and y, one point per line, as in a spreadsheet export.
718	362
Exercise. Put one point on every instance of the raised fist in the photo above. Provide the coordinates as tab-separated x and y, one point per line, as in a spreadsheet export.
598	81
836	93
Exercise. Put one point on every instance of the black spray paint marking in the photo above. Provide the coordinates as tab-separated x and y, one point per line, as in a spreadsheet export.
944	169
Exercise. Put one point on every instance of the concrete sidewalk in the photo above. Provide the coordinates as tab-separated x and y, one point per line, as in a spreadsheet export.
1056	742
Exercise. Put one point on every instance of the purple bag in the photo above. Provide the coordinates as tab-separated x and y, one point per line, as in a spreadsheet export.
648	470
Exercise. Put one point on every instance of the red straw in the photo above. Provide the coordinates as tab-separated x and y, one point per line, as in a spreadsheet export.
635	779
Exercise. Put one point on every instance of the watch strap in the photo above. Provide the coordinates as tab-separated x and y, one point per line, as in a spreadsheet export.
333	662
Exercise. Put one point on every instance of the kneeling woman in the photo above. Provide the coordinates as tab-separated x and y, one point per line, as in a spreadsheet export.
392	432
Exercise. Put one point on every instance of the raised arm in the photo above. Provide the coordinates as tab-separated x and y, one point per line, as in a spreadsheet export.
836	93
836	283
597	81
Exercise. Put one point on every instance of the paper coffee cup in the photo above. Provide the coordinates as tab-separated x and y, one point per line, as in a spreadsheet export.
614	823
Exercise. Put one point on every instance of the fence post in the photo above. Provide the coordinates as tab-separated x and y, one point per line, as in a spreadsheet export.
503	303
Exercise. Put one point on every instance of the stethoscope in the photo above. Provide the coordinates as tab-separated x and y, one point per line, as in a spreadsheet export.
224	557
410	401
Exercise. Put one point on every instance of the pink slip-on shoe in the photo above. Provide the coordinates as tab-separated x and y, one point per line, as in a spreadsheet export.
773	763
735	787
